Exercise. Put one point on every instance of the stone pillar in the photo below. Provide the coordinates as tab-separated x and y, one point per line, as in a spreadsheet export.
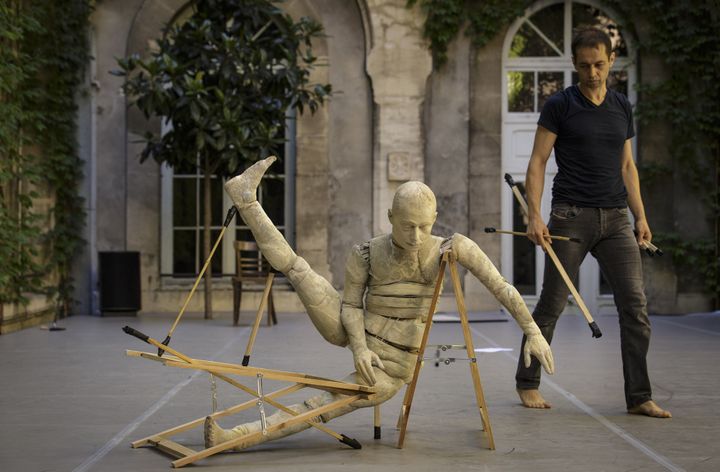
485	180
311	179
398	65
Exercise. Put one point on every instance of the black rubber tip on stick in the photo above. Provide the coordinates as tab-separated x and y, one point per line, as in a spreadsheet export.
136	333
353	443
246	361
576	240
230	215
161	351
595	330
378	432
490	230
509	180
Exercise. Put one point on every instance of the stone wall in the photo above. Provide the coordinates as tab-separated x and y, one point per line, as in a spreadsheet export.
391	119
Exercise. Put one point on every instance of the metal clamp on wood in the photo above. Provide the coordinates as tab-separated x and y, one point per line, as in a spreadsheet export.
261	404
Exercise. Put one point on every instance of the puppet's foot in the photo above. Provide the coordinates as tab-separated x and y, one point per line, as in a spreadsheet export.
243	188
214	434
650	408
532	399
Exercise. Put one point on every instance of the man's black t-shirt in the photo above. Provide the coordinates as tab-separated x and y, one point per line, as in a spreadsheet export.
589	147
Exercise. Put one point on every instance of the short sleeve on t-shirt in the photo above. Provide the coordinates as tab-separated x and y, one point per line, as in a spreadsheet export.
553	112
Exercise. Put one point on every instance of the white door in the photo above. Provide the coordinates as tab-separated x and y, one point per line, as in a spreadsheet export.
536	64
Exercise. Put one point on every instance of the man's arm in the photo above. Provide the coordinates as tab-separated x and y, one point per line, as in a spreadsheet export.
632	185
535	181
352	315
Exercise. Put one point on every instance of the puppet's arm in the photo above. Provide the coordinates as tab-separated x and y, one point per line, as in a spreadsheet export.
352	315
470	256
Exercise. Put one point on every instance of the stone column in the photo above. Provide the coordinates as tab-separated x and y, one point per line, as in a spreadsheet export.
398	64
311	177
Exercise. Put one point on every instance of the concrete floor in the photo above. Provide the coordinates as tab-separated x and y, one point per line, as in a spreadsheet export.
72	401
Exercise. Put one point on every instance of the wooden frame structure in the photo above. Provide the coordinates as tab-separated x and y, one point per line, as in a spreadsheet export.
448	259
221	370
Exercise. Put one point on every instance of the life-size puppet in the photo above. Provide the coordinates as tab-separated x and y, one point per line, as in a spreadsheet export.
380	316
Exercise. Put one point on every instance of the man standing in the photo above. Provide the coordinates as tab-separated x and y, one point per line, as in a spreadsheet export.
590	128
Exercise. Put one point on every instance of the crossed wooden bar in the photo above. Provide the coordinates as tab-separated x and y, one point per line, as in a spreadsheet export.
221	370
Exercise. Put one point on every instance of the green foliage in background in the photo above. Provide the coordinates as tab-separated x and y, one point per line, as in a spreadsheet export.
684	35
482	20
225	79
43	53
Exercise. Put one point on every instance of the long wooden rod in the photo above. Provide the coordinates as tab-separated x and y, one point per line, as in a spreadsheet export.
410	391
228	219
258	316
596	333
518	233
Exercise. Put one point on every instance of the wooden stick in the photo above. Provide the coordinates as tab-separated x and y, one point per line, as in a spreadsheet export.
268	398
218	414
248	437
410	391
258	317
228	219
549	250
220	368
518	233
474	371
321	384
197	281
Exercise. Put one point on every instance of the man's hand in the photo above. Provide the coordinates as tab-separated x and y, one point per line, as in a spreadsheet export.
364	360
643	231
537	230
537	346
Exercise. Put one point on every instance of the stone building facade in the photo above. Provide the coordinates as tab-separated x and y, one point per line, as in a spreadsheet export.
392	118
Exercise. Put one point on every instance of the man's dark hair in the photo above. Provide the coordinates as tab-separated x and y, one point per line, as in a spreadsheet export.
590	38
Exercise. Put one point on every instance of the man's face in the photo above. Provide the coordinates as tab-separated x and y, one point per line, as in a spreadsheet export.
411	225
593	66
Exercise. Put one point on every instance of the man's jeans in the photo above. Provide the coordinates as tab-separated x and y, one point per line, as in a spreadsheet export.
608	235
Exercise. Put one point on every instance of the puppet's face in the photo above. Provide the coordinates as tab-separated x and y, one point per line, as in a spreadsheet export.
412	216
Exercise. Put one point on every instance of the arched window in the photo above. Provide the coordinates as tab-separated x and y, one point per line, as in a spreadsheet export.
537	62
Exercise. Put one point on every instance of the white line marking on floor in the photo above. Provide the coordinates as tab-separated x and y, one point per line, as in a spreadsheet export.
119	437
629	438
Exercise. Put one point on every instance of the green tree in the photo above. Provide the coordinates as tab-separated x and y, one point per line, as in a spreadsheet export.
224	79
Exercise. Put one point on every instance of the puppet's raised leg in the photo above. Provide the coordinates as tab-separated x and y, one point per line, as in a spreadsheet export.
320	299
386	387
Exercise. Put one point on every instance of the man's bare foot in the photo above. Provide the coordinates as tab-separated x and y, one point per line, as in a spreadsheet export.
650	408
243	188
532	399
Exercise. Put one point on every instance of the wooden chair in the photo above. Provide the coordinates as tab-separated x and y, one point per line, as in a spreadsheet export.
251	268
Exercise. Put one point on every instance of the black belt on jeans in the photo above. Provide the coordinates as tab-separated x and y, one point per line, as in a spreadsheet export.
409	349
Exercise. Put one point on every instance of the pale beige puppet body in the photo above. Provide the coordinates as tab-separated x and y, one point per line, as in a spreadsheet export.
389	284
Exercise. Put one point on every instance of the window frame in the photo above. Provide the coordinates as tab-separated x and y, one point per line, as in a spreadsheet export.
167	228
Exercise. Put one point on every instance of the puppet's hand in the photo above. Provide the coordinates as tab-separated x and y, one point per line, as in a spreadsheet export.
537	346
364	360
